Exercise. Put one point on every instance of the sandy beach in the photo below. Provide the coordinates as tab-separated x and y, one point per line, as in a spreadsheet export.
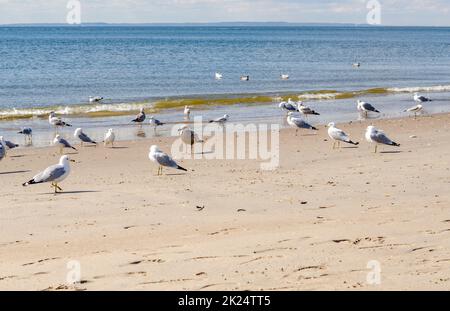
312	224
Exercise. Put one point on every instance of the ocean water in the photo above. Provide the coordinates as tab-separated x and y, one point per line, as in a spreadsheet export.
57	68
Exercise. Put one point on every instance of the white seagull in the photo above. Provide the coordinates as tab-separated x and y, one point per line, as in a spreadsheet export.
162	159
218	76
420	99
8	144
155	123
61	143
83	137
288	106
54	174
110	137
95	99
298	123
376	136
338	135
187	112
56	121
221	119
366	107
416	109
284	77
189	137
245	78
305	110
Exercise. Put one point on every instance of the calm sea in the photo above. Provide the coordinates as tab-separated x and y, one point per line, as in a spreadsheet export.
57	68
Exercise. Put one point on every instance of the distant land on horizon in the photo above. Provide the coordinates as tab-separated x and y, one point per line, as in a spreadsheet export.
227	24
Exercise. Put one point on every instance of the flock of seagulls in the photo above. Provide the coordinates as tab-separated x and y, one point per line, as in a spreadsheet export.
55	174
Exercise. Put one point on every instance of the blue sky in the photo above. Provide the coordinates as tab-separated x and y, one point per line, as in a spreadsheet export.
394	12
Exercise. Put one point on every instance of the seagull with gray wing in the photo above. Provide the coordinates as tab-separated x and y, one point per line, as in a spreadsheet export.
83	137
378	137
61	143
54	174
162	159
298	123
365	108
338	135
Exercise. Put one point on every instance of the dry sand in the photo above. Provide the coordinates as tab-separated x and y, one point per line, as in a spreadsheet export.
312	224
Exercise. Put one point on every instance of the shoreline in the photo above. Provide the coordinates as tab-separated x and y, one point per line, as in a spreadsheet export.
313	223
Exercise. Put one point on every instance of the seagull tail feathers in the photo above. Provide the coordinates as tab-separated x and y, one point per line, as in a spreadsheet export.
181	168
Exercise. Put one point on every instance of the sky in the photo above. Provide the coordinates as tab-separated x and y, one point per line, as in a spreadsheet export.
393	12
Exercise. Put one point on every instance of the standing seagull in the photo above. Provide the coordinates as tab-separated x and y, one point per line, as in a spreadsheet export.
366	107
416	109
162	159
189	137
110	137
83	137
373	135
298	123
140	117
28	132
220	120
187	112
288	107
338	135
155	123
54	174
2	149
305	110
95	99
61	143
56	121
421	99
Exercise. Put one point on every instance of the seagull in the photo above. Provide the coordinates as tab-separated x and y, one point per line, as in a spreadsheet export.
95	99
28	132
421	99
162	159
110	137
284	77
155	122
83	137
338	135
187	112
416	109
61	143
298	123
56	121
140	117
356	65
2	150
288	106
54	174
9	144
221	119
189	137
366	107
376	136
305	110
245	78
218	76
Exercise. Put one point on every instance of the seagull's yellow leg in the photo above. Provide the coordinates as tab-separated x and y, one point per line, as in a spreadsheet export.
376	148
339	144
334	145
59	188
